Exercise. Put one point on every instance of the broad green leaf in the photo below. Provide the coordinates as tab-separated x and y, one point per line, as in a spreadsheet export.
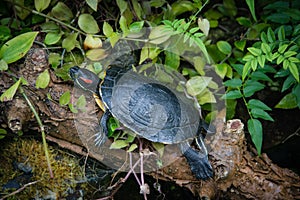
254	63
43	80
282	48
280	59
159	34
65	98
271	35
137	9
72	108
96	54
93	4
132	148
255	103
234	83
159	147
118	144
10	92
259	113
224	47
3	65
254	51
107	29
289	81
233	94
244	21
69	42
265	48
199	64
296	92
251	6
17	47
202	47
261	60
123	25
240	44
294	70
281	33
41	5
206	97
204	26
3	132
221	69
197	84
88	24
81	102
91	42
52	38
251	87
54	60
289	101
136	26
289	54
261	76
255	130
246	69
62	12
172	59
122	5
147	52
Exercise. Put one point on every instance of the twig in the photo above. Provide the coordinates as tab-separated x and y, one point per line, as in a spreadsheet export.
19	190
38	119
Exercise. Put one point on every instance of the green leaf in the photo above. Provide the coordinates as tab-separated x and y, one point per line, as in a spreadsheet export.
41	5
265	48
136	26
17	47
3	65
52	38
88	24
255	130
107	29
159	147
251	6
246	69
3	132
10	92
172	59
65	98
224	47
294	70
282	48
81	102
240	44
255	103
204	26
254	51
197	84
260	76
132	148
233	94
62	12
261	60
289	53
259	113
271	35
202	47
122	5
244	21
289	101
43	80
69	42
234	83
281	33
93	4
159	34
251	87
118	144
289	81
221	69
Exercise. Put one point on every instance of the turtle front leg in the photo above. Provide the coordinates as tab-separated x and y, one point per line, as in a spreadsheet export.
100	136
198	161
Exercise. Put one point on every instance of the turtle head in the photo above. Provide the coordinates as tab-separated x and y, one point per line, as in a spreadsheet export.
85	79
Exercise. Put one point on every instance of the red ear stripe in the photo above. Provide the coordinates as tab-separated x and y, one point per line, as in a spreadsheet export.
89	81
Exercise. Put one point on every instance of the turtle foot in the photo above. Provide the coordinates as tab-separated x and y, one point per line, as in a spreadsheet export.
199	164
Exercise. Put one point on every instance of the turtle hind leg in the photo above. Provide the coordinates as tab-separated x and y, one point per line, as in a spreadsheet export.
198	161
199	164
100	136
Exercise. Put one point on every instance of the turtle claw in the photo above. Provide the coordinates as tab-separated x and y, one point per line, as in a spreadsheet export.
199	164
100	139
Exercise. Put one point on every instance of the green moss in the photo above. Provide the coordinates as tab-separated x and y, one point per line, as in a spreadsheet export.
66	169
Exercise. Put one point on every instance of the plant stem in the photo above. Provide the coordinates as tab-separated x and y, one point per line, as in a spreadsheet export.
42	129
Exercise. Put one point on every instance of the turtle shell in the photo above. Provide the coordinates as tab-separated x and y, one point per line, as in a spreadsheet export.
152	109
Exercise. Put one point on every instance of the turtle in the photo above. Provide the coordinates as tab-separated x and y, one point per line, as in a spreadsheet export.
150	109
